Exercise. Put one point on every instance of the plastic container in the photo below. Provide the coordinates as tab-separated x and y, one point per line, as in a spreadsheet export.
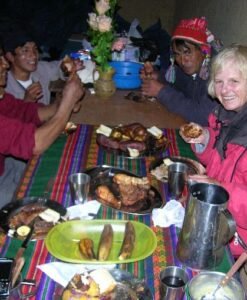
127	74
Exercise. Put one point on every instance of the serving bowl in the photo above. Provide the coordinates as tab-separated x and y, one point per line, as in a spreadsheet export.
204	283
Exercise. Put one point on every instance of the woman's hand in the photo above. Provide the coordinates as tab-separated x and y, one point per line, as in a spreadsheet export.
202	178
193	133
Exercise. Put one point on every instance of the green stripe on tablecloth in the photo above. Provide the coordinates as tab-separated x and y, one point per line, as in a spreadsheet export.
47	170
184	148
14	246
225	264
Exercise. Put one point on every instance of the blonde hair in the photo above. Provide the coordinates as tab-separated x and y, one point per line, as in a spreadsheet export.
237	54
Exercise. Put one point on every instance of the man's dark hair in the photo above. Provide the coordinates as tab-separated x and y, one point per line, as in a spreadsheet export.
184	43
15	39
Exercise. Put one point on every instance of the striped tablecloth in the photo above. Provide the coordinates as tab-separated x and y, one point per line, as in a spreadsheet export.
77	152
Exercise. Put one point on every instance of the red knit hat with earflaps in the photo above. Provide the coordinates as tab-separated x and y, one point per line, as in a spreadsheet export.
193	30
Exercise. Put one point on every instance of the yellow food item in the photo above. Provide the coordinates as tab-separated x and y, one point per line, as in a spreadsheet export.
155	131
23	230
105	243
105	130
104	280
133	152
86	248
90	286
128	242
50	215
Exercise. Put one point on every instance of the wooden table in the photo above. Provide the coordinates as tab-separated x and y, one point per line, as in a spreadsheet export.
118	110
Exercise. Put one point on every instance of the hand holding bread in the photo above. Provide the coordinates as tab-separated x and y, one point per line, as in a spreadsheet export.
192	133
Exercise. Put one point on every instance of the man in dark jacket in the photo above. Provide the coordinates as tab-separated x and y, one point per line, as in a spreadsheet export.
183	87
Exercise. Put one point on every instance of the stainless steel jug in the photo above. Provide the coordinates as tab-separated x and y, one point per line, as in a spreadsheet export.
207	227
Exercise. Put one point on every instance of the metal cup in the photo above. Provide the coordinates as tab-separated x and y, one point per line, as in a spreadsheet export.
177	179
172	283
79	187
17	292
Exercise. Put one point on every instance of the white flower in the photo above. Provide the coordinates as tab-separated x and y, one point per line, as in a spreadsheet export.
102	6
104	23
93	23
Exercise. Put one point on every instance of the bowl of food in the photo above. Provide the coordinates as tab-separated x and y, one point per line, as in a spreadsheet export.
204	284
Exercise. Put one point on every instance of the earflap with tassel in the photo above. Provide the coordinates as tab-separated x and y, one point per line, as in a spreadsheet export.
170	73
204	71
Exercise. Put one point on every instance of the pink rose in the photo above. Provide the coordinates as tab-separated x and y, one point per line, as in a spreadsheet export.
104	23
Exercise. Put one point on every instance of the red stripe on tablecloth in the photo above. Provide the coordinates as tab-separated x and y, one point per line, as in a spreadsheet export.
39	257
64	167
173	148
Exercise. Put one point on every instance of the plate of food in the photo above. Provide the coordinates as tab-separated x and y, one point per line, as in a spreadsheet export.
17	217
123	190
102	284
159	167
101	241
132	141
192	130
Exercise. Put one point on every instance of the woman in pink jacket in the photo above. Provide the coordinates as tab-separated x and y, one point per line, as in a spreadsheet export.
222	147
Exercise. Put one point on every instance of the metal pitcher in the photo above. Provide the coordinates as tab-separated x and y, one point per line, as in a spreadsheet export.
207	227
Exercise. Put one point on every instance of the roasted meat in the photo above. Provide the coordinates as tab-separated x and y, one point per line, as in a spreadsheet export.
26	215
107	197
132	189
107	141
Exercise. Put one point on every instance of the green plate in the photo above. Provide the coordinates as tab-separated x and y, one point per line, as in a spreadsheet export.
62	240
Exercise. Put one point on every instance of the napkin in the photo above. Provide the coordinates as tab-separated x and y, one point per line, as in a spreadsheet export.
172	213
62	273
85	211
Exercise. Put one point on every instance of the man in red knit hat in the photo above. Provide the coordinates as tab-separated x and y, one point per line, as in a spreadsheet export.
183	87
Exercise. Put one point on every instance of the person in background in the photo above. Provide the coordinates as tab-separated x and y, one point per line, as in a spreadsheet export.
182	89
28	77
222	147
27	129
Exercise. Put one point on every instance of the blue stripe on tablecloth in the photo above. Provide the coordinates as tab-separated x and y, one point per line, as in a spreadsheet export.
5	247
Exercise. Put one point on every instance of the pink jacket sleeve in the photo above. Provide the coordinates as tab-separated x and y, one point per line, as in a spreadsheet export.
18	122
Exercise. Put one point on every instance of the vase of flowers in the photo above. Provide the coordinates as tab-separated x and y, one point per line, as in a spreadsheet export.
101	34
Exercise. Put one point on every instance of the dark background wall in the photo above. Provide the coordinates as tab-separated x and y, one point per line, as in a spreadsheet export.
53	21
226	18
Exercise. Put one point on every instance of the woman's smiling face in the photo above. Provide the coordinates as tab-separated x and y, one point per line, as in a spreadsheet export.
231	87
